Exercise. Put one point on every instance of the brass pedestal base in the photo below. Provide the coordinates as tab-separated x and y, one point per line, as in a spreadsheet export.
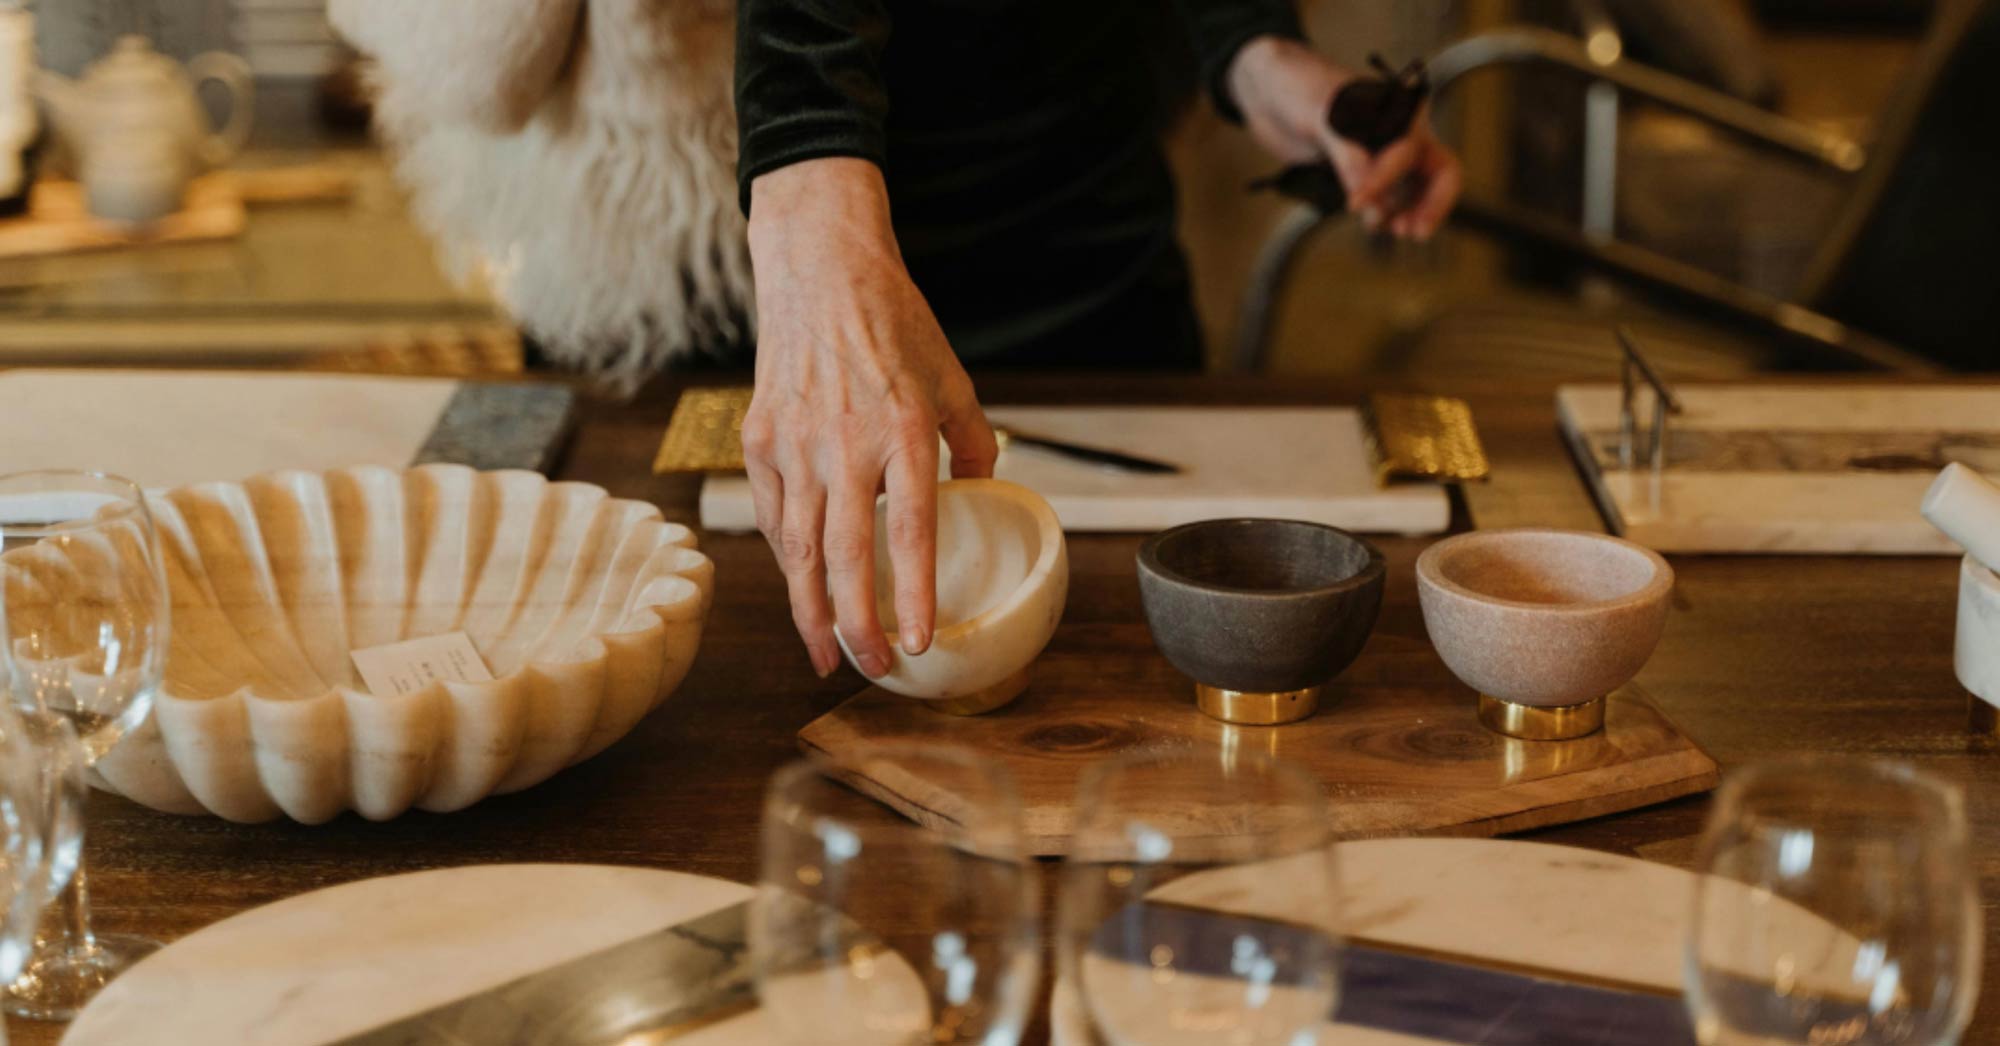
1984	719
1539	723
982	701
1256	707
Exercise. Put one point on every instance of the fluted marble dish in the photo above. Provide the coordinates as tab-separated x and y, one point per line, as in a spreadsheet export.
1002	579
586	608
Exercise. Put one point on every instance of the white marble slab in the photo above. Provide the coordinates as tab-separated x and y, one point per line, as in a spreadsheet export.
1758	508
333	963
173	428
1598	917
1309	463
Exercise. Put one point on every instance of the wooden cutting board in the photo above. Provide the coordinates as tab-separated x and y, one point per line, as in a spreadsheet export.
1829	468
1396	758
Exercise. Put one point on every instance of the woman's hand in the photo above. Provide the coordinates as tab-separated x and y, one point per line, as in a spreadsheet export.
854	383
1285	89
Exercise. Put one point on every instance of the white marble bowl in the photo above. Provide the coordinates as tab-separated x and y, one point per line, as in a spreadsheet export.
1976	654
586	608
1543	618
1002	578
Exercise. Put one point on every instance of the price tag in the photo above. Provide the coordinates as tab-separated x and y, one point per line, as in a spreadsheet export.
395	669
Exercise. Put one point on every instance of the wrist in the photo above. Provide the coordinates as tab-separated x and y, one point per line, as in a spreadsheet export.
842	198
1283	84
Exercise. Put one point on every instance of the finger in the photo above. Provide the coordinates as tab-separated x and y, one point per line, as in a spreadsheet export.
970	437
1352	164
850	570
1447	178
1390	166
911	522
798	546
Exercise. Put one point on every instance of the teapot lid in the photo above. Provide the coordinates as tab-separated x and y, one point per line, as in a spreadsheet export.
131	56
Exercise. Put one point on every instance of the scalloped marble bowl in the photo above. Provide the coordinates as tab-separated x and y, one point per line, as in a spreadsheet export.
1002	579
587	609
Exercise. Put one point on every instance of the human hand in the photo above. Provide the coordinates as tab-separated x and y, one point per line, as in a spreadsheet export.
1285	90
854	383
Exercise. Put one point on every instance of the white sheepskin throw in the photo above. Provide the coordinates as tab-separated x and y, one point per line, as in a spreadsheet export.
580	155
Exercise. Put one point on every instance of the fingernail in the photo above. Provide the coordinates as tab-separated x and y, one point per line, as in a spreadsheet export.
872	665
823	663
914	639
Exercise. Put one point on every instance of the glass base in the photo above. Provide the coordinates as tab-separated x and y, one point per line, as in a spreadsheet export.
56	987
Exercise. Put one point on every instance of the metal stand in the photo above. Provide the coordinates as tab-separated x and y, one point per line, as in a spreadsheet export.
1665	403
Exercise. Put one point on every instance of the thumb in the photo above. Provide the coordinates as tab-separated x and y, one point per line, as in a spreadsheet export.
968	435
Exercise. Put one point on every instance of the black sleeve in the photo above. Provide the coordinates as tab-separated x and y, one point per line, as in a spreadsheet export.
808	83
1220	28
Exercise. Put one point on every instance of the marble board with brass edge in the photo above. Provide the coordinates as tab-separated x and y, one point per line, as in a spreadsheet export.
1397	758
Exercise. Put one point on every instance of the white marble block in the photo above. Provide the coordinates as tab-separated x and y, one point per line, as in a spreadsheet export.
1976	655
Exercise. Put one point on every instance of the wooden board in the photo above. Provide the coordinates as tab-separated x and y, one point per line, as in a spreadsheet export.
1397	759
58	220
1309	463
1827	468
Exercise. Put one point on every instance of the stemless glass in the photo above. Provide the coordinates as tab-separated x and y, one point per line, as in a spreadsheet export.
86	611
1836	905
1199	902
871	930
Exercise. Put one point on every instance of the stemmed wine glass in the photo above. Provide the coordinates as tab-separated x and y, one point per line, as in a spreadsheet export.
41	785
86	610
872	930
1199	902
1836	904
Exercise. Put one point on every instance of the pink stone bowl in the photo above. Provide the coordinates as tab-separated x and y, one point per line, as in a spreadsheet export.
1541	617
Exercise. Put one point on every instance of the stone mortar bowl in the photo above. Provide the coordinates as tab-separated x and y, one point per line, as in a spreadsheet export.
1002	580
1262	613
1543	623
1976	652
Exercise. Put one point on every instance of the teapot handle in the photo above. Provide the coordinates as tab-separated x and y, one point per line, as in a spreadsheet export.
232	73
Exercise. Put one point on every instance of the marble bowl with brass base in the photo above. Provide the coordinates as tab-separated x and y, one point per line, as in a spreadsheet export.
1545	624
1261	613
1002	580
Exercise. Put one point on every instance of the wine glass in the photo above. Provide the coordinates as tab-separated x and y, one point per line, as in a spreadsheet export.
1199	902
86	607
41	779
1836	904
872	930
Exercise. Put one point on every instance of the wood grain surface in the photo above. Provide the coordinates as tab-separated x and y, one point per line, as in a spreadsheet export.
1396	742
1762	655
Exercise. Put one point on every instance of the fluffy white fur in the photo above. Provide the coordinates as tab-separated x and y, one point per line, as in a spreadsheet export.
578	153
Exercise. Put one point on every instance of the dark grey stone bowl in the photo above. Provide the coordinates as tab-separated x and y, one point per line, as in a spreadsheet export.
1260	604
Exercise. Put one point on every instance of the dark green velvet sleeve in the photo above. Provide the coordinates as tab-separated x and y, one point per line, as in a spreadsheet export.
1220	28
808	83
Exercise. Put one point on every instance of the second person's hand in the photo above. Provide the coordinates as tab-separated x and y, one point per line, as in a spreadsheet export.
854	383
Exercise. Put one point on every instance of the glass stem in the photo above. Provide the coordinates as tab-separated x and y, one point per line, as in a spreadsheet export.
70	926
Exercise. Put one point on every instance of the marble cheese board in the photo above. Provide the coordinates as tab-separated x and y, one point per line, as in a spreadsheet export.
1309	463
1824	468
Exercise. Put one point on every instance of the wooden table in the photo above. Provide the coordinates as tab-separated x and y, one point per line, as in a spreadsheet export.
1762	655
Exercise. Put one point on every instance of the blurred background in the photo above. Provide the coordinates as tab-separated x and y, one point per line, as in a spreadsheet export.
1765	183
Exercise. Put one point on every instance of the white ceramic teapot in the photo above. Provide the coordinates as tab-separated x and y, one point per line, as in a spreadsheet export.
137	130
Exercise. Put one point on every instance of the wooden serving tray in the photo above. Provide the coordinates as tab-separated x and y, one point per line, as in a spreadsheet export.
1397	759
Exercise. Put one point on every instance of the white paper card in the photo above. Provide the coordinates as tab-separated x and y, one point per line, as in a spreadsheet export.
396	669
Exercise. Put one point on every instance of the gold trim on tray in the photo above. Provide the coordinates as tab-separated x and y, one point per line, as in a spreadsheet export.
1256	707
1541	723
